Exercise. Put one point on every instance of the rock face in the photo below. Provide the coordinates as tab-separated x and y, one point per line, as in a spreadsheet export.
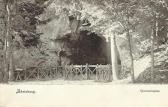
71	45
58	42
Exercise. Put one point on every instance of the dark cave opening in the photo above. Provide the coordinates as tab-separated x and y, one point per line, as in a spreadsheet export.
90	48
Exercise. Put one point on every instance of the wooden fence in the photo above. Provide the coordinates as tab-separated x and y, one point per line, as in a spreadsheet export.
69	72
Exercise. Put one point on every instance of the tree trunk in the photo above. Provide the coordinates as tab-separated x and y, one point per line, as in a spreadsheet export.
8	61
129	37
153	35
156	31
114	58
11	65
131	55
6	75
11	59
152	57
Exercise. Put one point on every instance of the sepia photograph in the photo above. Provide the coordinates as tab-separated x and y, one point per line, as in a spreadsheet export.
83	42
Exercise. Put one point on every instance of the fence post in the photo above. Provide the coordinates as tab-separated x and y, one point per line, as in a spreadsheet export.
110	72
97	72
38	74
87	72
24	70
63	68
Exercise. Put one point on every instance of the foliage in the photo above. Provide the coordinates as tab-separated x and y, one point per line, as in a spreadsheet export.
26	20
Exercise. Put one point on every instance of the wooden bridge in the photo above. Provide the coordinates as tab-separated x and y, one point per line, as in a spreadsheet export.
68	72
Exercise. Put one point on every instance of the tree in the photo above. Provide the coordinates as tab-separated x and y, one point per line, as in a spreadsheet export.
3	74
8	41
14	11
122	12
157	15
130	13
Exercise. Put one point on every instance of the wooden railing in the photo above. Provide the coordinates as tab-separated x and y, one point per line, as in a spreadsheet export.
67	72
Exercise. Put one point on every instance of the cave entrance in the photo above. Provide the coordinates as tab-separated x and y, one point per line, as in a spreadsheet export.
90	48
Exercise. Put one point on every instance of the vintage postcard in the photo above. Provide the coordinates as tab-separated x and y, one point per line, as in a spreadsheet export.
83	53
